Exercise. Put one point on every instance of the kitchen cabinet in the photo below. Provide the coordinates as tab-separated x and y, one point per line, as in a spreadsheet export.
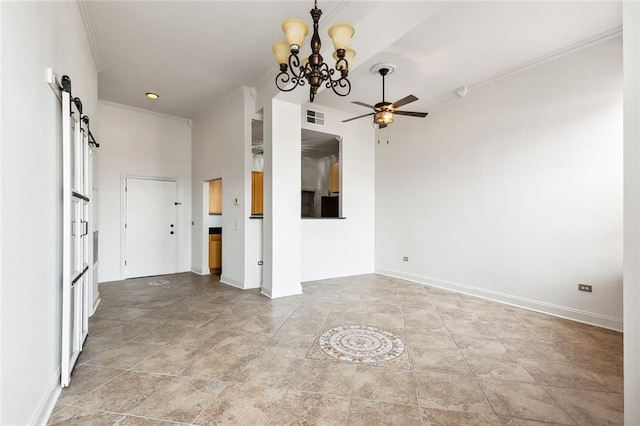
257	193
334	178
215	196
215	253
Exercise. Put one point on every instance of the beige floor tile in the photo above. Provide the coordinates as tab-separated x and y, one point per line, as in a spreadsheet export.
77	416
485	367
126	355
590	407
84	379
609	376
242	405
141	421
324	377
448	361
560	373
372	413
181	399
381	384
429	339
218	366
303	408
123	393
95	347
172	360
200	331
435	417
121	330
525	401
451	392
164	335
269	371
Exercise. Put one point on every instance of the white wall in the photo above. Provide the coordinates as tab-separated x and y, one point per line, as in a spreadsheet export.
35	35
218	152
136	142
631	35
342	247
514	192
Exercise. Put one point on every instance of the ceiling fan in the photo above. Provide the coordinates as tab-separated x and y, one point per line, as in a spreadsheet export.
383	112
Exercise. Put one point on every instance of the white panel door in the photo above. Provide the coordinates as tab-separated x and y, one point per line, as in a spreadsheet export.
150	227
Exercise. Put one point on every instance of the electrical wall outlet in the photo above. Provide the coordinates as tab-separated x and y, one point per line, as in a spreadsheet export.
406	258
585	287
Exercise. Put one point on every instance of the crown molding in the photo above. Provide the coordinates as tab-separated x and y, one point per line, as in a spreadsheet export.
591	41
225	101
143	111
88	27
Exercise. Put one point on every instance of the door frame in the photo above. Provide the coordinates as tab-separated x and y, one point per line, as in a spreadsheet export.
204	259
123	214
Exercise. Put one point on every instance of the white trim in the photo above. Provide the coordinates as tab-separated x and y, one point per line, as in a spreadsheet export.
599	38
199	271
143	111
47	402
88	27
226	100
521	302
95	305
232	282
271	295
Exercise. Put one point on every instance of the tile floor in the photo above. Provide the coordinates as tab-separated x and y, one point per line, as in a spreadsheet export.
194	351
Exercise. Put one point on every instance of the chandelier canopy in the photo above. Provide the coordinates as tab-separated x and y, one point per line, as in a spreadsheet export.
313	70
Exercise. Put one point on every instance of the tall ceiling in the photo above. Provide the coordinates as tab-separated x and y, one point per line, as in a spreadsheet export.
196	54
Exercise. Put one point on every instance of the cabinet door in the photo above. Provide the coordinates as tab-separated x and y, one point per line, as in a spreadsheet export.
215	196
334	178
257	192
215	251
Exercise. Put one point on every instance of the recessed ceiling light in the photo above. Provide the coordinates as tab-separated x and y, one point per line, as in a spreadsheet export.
152	95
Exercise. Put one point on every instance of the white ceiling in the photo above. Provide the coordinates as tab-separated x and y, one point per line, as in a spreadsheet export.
196	54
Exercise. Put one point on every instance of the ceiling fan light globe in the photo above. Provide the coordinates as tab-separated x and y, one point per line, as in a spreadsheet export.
341	35
383	117
295	30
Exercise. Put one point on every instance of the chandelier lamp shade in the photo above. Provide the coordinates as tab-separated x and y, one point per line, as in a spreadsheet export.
312	70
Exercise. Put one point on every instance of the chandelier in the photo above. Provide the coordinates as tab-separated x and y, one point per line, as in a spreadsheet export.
312	70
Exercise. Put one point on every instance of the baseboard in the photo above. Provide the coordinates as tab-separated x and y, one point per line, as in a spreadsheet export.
48	402
271	295
521	302
199	271
232	282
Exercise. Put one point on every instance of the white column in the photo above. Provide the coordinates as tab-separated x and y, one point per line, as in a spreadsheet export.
281	221
631	55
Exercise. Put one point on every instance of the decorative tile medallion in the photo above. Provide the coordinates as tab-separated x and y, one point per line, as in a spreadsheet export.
360	344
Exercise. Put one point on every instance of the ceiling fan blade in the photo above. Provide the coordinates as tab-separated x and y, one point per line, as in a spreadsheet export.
404	101
411	113
362	104
360	116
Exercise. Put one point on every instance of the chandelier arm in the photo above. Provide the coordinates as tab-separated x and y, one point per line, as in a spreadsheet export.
286	82
294	65
340	86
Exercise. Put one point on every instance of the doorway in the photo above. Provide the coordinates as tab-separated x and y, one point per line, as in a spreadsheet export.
213	228
150	227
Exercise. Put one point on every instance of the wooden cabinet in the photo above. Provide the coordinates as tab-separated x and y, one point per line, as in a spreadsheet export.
257	192
215	196
215	252
334	178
